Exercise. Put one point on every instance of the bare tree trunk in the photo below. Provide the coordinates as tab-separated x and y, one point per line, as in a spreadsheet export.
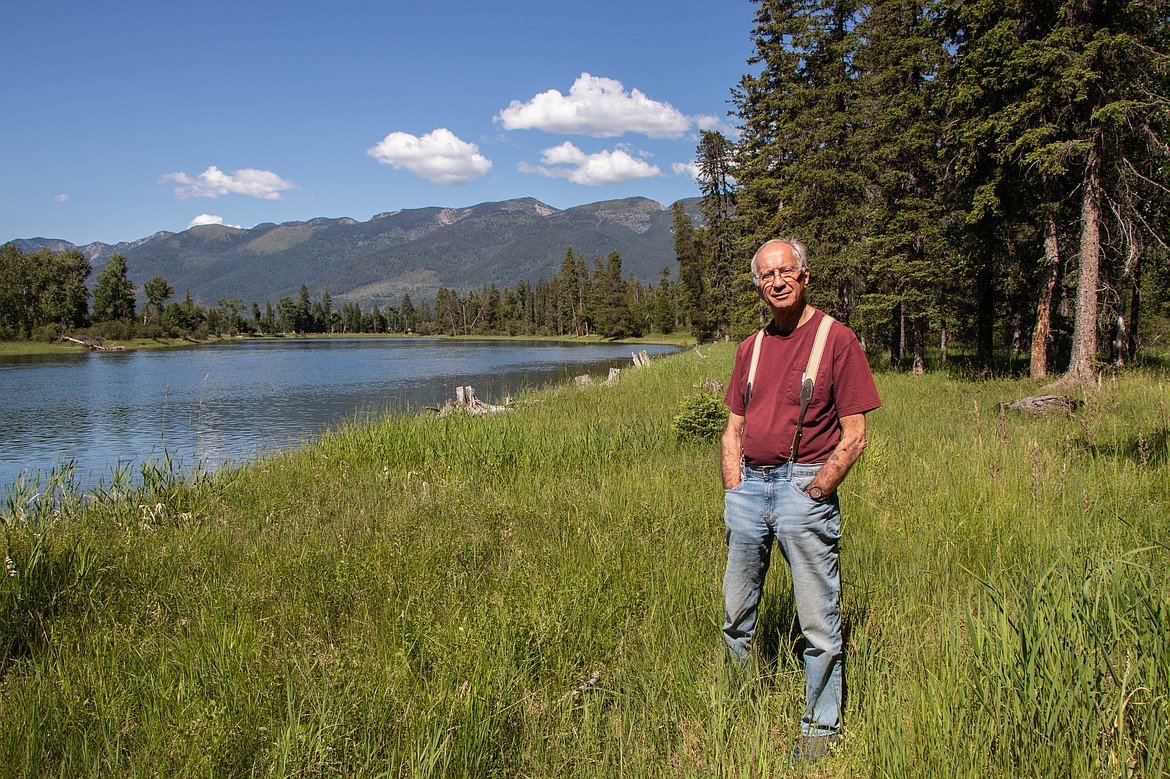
919	337
1084	346
942	341
897	338
1135	297
1043	329
985	318
1117	344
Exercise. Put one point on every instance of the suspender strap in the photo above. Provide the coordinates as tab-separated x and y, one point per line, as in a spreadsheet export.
747	393
808	381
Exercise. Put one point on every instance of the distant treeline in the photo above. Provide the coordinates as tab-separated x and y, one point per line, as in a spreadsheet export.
44	295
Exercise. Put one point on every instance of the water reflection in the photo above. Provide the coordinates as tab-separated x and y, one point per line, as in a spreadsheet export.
223	402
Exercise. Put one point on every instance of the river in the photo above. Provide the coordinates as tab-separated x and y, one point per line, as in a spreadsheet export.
226	402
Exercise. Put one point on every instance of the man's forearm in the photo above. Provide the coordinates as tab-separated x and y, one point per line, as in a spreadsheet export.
849	449
731	451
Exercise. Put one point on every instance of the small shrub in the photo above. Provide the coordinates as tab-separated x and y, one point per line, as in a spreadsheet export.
701	417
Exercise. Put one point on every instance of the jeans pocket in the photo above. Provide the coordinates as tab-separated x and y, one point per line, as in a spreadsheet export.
799	486
736	488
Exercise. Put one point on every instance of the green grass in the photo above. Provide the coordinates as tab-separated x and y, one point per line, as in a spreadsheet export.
536	593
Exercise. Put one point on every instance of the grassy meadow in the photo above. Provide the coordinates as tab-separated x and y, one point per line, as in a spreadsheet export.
537	594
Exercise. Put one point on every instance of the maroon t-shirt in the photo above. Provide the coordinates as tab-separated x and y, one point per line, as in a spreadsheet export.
844	385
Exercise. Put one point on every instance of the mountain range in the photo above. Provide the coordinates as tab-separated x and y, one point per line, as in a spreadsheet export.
411	251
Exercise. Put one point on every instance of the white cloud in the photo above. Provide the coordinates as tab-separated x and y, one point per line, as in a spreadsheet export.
208	219
712	122
213	182
62	198
598	107
605	167
686	169
439	156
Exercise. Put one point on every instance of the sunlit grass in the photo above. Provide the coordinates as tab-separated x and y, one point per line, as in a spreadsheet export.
536	593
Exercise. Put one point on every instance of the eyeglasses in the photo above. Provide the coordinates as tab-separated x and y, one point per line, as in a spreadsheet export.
787	273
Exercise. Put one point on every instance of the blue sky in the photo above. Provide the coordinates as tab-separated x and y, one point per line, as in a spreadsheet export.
124	118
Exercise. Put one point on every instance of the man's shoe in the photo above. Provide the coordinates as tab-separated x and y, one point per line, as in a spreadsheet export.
810	749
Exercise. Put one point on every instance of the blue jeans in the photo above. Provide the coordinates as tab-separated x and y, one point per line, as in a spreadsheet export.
767	506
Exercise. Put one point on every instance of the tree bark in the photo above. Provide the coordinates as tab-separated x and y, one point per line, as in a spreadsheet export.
919	337
985	318
1135	298
897	336
942	341
1084	346
1043	329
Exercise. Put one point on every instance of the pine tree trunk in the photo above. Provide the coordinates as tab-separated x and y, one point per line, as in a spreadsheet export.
1084	346
896	337
985	318
942	341
1043	329
919	331
1134	308
1117	348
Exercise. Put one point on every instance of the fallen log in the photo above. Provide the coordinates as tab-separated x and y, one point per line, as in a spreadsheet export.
1042	404
94	347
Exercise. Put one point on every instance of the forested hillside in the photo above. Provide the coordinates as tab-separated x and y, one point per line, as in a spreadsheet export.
414	251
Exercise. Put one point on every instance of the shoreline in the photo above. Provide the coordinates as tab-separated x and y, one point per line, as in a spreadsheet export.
40	348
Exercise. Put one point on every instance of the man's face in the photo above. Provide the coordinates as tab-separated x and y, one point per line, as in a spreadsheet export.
782	282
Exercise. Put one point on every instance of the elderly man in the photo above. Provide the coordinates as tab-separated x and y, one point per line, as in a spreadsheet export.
789	442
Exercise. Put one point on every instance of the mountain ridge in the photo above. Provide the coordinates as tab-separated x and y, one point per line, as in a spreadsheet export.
411	251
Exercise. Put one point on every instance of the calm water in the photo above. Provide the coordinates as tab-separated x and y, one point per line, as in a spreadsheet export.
229	401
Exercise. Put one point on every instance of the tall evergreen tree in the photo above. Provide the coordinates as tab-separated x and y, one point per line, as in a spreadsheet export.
304	312
408	314
568	312
693	301
662	304
717	238
797	160
900	57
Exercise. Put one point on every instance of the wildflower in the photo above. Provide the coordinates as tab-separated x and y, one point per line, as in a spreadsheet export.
9	565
